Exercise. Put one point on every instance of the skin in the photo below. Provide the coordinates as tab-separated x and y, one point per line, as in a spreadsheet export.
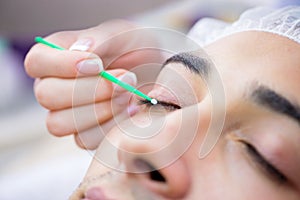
229	171
243	60
62	89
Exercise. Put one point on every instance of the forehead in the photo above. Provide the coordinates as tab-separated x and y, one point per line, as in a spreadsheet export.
265	58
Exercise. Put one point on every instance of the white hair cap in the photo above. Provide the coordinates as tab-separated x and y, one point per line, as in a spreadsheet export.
284	22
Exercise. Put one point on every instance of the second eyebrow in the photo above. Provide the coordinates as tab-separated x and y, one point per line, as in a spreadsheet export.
276	102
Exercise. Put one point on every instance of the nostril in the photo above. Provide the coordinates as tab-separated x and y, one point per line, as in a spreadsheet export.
156	176
145	167
171	182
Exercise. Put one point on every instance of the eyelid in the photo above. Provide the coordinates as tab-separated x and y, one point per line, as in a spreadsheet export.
168	105
262	161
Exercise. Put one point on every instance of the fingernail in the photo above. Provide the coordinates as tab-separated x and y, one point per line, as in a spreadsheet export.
128	77
92	66
81	45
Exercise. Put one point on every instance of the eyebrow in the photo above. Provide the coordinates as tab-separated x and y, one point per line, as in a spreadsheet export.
276	102
196	64
261	95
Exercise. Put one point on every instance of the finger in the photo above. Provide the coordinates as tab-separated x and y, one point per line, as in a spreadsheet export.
83	43
91	138
57	94
69	121
43	61
120	43
63	38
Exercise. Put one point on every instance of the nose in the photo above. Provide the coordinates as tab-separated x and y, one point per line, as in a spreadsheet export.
171	182
157	162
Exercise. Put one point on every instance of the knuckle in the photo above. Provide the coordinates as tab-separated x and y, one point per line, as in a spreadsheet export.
40	93
84	141
27	63
43	94
50	95
79	142
30	61
103	112
55	125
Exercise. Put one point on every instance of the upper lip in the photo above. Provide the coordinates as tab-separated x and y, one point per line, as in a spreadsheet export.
95	193
103	185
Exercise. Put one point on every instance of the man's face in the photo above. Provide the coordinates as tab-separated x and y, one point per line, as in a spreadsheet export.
255	154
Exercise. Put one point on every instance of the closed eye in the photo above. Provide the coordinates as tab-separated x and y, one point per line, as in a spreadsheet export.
269	168
166	105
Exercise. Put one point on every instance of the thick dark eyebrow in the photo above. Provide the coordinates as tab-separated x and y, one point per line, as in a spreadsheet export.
269	98
196	64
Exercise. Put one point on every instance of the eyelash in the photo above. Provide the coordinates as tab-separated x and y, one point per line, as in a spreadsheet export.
250	148
264	163
168	106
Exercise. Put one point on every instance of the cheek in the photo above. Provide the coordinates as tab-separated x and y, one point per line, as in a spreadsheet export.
210	177
225	174
245	178
96	169
106	157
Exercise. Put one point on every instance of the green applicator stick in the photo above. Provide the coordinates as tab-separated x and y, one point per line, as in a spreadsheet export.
104	74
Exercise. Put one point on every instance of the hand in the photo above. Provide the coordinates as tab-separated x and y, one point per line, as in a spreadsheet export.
67	83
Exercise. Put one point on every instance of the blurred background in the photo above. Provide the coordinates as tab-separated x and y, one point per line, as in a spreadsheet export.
34	164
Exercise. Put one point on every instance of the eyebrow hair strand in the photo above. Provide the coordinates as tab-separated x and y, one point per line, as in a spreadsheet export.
276	102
